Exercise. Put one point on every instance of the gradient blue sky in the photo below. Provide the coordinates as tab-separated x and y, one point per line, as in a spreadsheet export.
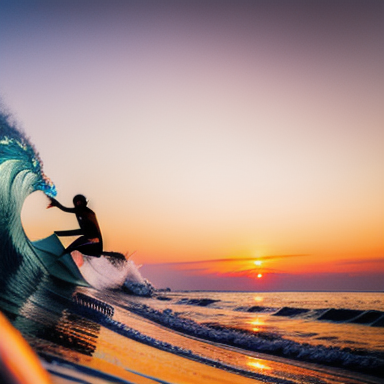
209	130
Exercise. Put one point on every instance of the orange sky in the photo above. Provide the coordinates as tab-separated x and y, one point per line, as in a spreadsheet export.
207	131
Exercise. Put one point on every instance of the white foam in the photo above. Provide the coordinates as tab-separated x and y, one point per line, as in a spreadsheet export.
102	274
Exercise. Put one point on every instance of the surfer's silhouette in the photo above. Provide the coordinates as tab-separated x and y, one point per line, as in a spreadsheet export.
90	241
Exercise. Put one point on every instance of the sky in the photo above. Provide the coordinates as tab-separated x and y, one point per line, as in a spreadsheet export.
233	145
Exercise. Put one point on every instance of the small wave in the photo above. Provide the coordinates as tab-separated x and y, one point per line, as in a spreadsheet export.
291	312
256	308
379	322
262	309
144	288
340	315
367	317
163	298
197	302
370	317
327	338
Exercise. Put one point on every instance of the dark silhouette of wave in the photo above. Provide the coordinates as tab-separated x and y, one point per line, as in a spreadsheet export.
370	317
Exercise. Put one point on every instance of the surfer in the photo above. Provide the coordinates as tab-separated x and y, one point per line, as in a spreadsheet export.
90	241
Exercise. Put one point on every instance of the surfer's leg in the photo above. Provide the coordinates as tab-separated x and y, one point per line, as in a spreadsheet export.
86	247
91	249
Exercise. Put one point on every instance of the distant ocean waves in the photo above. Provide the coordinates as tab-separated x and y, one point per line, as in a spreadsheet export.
371	318
266	342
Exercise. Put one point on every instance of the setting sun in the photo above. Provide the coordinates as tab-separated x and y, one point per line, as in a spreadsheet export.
257	262
259	275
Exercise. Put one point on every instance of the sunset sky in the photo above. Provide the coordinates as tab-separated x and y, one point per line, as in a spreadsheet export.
231	144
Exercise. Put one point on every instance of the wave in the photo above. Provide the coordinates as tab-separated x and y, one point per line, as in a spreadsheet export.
197	302
21	174
22	265
370	317
264	342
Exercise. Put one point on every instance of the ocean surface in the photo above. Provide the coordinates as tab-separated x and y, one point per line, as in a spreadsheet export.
291	337
332	330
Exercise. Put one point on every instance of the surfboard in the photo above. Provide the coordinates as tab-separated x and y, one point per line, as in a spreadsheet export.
49	252
19	363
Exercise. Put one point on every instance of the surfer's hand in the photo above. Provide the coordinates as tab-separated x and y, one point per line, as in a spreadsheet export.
53	203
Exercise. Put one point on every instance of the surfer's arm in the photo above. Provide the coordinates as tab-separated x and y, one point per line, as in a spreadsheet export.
71	232
55	203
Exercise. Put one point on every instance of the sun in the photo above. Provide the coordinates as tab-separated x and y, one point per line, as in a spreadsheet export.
257	262
259	276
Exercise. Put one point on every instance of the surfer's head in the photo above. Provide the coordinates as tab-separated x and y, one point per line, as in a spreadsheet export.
79	200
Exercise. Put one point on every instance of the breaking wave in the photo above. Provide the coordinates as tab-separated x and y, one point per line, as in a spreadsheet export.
21	174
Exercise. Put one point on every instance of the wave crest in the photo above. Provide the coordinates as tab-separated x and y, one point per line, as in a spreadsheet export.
21	174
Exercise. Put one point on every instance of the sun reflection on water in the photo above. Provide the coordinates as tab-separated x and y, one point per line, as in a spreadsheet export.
258	364
258	323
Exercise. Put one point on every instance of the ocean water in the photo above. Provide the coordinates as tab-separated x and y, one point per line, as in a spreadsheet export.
123	330
334	330
267	337
340	320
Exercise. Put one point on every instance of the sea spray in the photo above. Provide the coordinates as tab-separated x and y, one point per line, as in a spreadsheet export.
110	273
